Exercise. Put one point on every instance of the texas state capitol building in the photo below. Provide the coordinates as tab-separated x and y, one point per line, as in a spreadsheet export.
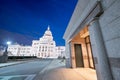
45	47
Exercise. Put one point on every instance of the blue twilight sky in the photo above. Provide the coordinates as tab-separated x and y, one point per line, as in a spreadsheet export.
22	21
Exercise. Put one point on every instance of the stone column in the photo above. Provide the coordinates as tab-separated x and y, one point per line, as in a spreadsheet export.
68	55
103	67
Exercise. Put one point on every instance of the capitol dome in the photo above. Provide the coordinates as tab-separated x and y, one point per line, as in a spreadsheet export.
48	32
47	35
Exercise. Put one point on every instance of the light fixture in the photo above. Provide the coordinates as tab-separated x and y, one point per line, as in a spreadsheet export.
8	42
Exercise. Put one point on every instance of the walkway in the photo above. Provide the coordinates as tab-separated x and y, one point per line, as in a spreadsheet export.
57	71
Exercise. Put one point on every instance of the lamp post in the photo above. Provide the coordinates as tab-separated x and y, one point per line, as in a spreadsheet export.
8	43
6	51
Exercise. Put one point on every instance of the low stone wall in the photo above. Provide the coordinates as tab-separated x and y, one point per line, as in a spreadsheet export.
4	57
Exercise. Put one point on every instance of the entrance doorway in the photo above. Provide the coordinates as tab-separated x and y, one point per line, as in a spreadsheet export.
78	55
82	50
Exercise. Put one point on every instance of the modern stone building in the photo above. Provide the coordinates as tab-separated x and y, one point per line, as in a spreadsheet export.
93	38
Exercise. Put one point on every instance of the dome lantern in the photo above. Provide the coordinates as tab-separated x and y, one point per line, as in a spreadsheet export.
48	27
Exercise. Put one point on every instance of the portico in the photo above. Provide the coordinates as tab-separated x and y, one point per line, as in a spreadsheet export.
81	50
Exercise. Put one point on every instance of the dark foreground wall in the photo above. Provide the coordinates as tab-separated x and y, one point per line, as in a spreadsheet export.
17	58
4	57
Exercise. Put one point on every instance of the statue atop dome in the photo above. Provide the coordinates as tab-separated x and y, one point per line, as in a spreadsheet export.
48	27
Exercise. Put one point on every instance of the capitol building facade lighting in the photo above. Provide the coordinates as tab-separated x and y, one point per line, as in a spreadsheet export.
45	47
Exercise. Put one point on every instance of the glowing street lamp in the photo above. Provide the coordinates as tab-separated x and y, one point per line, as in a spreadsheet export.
8	42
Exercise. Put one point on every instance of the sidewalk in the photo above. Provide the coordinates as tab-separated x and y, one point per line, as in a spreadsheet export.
57	71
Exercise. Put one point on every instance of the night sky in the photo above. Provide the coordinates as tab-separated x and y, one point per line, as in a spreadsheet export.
22	21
